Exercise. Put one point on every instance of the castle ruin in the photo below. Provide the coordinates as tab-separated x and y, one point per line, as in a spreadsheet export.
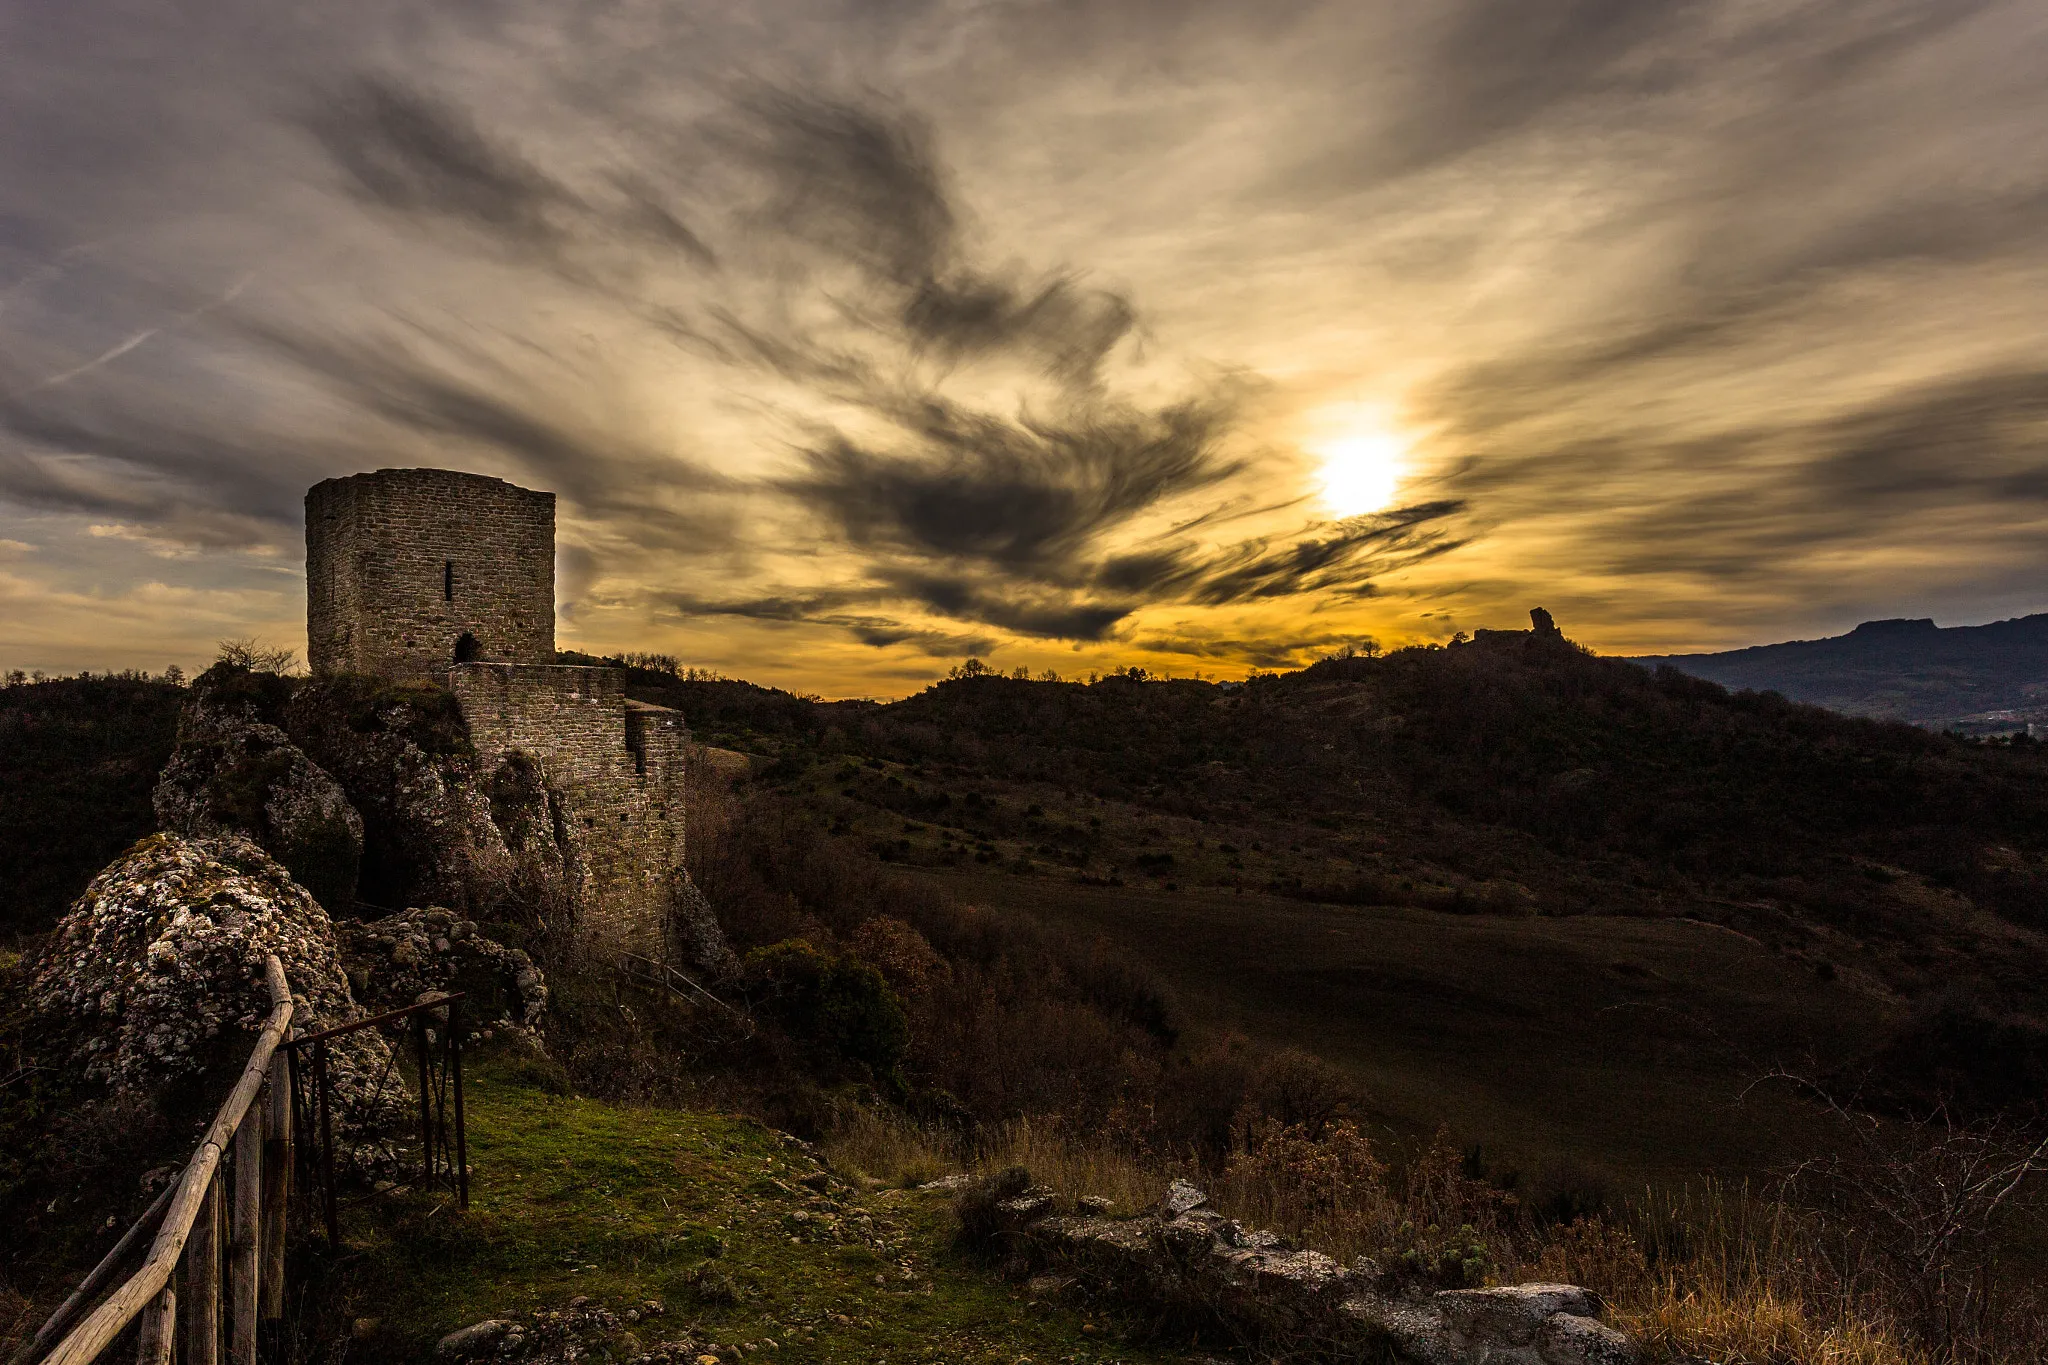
431	574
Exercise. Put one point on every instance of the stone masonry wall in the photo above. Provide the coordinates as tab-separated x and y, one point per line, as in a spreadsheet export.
619	767
408	570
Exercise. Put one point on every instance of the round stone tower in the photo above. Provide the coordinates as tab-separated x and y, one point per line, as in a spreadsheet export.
411	571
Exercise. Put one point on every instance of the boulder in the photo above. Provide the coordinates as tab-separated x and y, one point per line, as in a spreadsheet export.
1573	1339
478	1338
157	973
235	773
1180	1198
1512	1314
393	961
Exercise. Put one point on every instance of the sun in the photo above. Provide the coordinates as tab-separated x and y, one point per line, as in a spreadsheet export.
1361	472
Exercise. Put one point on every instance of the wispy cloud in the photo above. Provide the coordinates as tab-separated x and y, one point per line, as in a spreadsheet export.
890	332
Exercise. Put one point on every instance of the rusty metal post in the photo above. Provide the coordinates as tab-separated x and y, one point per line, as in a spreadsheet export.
426	1065
455	1080
326	1089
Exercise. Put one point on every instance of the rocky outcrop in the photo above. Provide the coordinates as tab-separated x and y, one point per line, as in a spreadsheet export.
393	961
430	817
235	773
1250	1287
695	932
372	794
157	973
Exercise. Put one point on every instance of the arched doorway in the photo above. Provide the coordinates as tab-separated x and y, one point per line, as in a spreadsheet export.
467	650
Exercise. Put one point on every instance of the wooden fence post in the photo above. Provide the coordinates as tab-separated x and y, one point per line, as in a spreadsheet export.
159	1333
202	1280
277	1184
245	1241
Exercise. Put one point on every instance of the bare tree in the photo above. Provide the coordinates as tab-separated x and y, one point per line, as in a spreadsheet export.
257	657
1932	1195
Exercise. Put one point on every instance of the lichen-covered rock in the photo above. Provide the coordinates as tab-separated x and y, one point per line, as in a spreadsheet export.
393	961
235	773
1575	1339
157	972
1512	1314
1186	1261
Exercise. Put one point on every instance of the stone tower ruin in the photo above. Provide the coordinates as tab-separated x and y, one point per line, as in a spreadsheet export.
409	571
434	575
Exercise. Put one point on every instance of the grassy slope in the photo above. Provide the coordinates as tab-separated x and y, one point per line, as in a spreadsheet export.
1616	1046
572	1196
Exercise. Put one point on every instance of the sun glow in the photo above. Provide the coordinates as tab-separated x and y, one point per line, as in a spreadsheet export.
1361	472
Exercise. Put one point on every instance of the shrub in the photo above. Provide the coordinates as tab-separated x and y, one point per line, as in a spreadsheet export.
900	953
840	1005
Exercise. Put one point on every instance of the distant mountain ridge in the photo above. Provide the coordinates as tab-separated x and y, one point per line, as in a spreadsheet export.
1985	678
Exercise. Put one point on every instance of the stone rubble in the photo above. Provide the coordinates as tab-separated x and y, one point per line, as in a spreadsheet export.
1186	1260
579	1330
394	961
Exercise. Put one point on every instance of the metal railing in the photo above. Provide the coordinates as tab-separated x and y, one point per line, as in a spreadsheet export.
444	1145
646	971
202	1220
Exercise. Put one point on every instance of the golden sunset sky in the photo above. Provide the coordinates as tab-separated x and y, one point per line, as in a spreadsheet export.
860	337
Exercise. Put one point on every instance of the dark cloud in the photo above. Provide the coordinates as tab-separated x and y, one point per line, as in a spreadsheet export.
410	153
1290	651
864	186
1977	439
826	609
1020	494
1737	507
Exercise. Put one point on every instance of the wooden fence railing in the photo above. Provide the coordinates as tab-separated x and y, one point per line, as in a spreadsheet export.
205	1220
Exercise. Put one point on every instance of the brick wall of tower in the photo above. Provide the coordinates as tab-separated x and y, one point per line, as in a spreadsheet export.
403	564
618	764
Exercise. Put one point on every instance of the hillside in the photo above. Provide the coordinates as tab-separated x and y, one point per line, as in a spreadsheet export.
1502	908
1983	679
78	757
1514	774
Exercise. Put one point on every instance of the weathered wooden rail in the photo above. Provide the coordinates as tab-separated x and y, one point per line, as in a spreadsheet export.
212	1218
221	1226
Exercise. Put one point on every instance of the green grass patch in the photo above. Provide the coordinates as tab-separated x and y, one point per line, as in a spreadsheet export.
734	1228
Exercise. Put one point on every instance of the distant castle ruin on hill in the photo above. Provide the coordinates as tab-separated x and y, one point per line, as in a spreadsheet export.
431	574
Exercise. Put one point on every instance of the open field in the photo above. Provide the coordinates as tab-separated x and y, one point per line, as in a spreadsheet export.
1615	1050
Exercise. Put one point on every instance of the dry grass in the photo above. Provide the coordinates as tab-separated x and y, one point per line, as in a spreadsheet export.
1713	1272
1758	1325
885	1146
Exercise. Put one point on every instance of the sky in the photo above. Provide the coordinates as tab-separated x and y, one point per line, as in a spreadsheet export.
860	336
